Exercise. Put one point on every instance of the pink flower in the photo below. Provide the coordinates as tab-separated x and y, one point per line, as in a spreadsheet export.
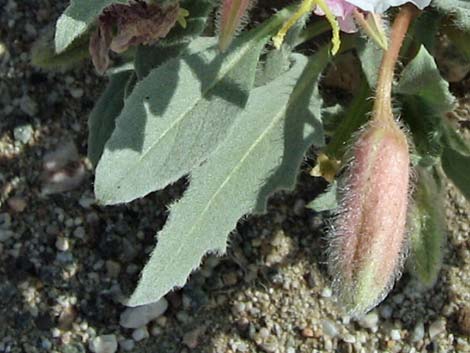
343	11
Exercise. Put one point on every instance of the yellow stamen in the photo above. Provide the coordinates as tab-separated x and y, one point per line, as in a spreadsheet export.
182	14
305	7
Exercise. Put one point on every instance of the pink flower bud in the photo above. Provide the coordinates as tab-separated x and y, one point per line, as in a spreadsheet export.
368	239
231	17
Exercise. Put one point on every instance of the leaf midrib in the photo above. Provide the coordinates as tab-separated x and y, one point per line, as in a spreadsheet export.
177	121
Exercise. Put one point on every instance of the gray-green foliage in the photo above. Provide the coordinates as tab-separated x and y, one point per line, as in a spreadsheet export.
238	127
427	229
422	78
239	176
77	18
176	116
101	121
458	10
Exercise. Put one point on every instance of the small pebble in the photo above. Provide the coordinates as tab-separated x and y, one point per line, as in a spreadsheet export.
436	328
104	344
127	345
464	321
23	133
140	334
141	315
370	321
62	244
327	292
395	335
348	338
308	332
329	328
386	311
418	332
17	204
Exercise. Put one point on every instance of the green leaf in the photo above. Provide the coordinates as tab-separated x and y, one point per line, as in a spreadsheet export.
427	226
457	167
44	56
77	18
425	29
327	201
351	120
177	116
102	118
176	43
452	139
421	77
426	126
150	57
230	184
458	10
371	57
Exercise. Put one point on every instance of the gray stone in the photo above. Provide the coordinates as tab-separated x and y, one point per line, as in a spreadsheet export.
141	315
104	344
23	133
329	328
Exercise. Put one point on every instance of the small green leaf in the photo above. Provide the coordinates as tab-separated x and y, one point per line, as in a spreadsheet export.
352	119
77	18
44	56
371	57
238	177
177	116
457	167
421	78
102	118
426	126
327	201
427	226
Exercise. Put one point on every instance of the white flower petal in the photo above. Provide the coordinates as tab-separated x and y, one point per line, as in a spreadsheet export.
380	6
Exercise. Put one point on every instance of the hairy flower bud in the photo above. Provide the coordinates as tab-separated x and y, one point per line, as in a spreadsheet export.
231	17
368	237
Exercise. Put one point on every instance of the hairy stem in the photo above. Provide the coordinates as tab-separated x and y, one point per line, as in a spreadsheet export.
383	105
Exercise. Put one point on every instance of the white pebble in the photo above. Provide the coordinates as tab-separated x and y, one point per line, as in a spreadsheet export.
329	328
326	293
104	344
436	328
141	315
370	321
62	244
140	334
395	335
348	338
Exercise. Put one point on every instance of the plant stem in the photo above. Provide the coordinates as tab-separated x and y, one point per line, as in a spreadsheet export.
383	103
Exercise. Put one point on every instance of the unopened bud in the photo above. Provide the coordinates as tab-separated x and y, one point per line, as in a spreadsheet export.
368	236
231	17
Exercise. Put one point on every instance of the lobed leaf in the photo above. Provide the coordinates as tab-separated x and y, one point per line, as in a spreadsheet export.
177	116
262	153
421	78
